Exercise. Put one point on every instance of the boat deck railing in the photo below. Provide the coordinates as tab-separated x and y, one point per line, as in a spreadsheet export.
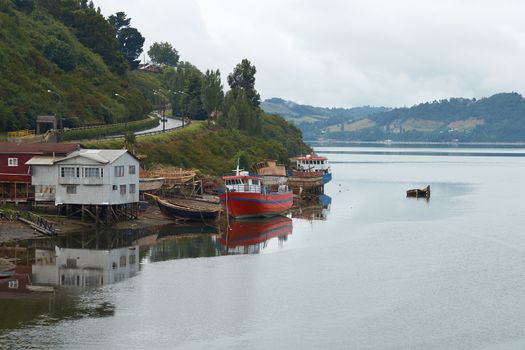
246	188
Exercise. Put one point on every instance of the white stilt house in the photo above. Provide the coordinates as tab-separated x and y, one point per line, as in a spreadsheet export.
103	184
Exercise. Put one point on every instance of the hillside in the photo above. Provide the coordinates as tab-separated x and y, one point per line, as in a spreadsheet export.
72	51
312	119
499	118
215	150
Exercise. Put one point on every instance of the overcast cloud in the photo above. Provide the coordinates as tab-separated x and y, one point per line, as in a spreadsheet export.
347	53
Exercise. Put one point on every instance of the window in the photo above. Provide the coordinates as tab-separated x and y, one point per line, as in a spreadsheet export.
115	187
132	170
132	188
122	189
71	263
132	259
92	172
119	171
71	189
123	261
13	284
70	172
12	161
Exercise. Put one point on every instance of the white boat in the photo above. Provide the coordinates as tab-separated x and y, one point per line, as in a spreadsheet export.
150	183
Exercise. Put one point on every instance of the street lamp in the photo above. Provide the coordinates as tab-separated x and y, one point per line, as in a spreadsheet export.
58	109
163	114
180	93
125	108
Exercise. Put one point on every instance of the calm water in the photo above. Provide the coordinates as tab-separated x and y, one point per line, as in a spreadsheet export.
373	271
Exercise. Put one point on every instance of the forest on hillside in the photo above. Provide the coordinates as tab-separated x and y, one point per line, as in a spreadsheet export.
64	58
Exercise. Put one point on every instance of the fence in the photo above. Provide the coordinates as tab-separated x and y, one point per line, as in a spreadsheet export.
21	133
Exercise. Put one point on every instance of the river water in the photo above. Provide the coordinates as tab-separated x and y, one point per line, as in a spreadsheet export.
371	270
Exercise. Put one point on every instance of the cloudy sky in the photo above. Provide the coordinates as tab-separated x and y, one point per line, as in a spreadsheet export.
347	53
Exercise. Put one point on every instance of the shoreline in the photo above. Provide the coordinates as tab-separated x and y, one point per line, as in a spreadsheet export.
12	232
389	143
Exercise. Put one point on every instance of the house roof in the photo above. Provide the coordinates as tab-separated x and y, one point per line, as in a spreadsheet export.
103	156
46	118
40	160
38	148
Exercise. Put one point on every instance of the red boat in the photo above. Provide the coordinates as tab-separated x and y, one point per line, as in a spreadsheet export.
245	197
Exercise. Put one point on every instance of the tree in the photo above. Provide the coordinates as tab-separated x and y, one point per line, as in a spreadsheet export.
131	42
118	20
243	77
240	114
129	39
192	96
60	53
212	93
163	53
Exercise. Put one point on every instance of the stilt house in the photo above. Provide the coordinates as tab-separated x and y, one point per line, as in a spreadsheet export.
103	184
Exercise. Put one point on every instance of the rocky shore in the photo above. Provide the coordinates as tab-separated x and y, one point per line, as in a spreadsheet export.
12	231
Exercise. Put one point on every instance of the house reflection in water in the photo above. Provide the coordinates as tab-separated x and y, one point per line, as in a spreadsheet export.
72	267
251	237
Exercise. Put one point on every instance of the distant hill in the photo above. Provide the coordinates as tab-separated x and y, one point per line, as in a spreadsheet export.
313	119
71	50
499	118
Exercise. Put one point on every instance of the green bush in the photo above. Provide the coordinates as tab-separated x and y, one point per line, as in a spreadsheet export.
106	130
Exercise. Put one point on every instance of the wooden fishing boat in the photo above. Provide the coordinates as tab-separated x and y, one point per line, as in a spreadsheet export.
189	210
172	176
150	184
419	193
272	175
315	164
7	268
300	181
245	196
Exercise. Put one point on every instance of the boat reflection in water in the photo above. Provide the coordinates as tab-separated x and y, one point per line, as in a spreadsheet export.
250	237
73	267
317	210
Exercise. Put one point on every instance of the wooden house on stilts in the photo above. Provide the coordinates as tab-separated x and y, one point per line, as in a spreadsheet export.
102	185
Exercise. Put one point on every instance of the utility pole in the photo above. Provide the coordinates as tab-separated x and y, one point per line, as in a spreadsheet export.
125	108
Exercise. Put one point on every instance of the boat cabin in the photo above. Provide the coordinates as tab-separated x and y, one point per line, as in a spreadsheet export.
243	183
310	163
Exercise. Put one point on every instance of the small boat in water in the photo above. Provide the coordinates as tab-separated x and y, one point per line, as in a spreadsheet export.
419	193
245	196
189	209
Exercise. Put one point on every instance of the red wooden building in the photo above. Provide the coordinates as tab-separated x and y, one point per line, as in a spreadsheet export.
15	175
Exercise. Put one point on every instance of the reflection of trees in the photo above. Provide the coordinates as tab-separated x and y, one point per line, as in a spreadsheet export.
48	309
184	247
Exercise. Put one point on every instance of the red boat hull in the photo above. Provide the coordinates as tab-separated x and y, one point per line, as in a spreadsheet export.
246	204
